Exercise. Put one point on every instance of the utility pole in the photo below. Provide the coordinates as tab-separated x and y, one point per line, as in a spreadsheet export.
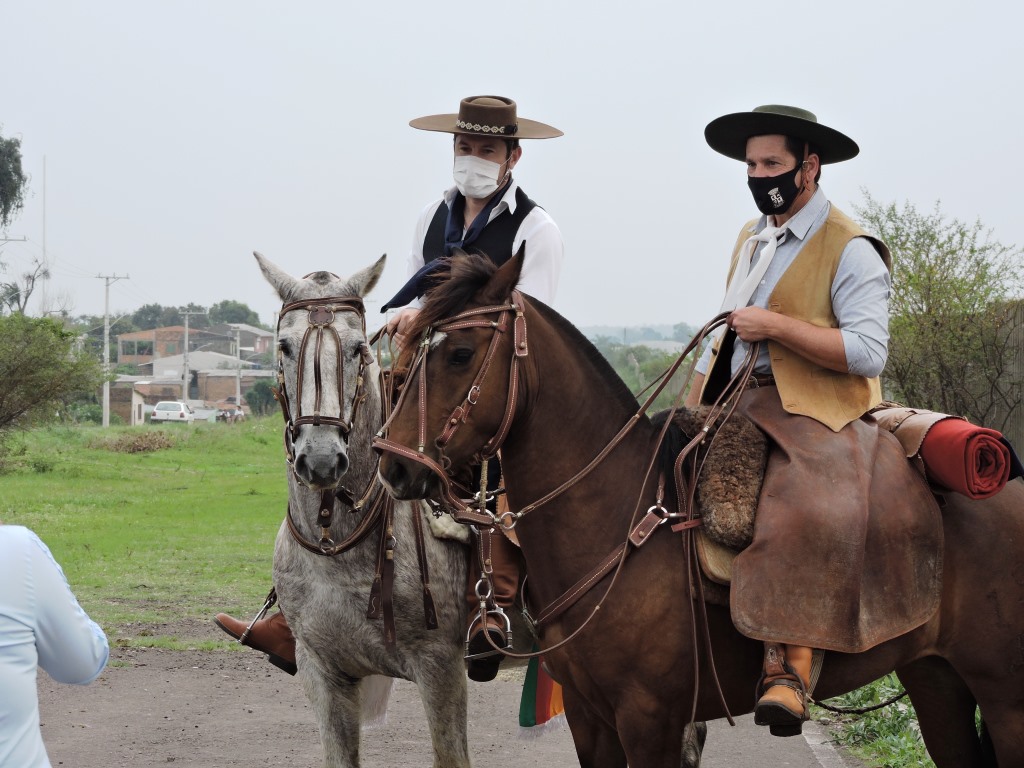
238	368
108	279
185	376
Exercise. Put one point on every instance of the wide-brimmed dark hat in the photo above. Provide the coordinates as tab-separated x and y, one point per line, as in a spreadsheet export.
487	116
728	134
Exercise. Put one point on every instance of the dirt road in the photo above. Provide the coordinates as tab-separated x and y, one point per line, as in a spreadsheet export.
216	709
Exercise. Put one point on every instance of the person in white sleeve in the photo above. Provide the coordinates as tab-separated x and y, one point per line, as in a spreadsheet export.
41	625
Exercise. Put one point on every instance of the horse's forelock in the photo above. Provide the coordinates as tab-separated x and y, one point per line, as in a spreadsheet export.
322	277
319	285
456	283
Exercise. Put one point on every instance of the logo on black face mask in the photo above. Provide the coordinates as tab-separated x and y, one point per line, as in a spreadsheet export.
774	194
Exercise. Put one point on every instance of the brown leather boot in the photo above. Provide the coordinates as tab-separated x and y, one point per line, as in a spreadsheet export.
271	635
502	558
482	660
786	678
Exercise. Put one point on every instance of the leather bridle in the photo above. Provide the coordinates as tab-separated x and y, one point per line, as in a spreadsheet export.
379	506
510	316
321	315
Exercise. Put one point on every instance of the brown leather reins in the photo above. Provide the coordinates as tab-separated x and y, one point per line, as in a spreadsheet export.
471	508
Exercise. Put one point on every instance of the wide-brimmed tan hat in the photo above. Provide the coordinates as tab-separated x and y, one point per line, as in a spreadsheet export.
728	134
487	116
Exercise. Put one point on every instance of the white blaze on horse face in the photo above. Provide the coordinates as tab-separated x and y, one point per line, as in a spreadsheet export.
436	338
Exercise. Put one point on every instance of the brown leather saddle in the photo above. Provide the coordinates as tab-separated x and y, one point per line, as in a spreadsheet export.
845	548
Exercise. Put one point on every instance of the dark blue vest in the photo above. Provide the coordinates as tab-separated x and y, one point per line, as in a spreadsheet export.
495	242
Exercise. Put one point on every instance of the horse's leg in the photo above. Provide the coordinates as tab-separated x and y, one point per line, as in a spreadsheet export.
694	737
597	744
441	678
336	704
945	712
651	736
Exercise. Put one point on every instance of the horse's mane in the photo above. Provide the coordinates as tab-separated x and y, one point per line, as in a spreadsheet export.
459	278
455	281
452	285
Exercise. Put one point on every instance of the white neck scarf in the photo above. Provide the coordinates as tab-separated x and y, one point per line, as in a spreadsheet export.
744	279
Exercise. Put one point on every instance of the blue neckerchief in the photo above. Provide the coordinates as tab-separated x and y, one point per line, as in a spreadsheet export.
455	223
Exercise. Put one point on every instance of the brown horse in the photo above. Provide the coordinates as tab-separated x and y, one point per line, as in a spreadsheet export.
639	670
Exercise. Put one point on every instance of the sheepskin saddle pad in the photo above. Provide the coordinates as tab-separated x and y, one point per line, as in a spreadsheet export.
733	461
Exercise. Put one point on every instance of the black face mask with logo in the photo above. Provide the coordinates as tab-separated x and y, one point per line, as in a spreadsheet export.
774	194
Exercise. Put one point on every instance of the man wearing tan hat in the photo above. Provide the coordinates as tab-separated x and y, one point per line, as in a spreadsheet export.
812	287
486	212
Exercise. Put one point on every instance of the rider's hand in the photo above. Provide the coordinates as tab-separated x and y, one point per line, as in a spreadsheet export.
399	325
753	323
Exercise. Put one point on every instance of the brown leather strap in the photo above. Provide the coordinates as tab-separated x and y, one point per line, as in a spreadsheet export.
429	611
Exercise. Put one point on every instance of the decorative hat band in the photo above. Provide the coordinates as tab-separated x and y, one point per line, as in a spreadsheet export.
487	116
502	130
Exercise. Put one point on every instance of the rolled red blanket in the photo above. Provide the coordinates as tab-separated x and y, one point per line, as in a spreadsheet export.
965	458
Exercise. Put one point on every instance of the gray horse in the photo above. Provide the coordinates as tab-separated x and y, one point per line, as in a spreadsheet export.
344	662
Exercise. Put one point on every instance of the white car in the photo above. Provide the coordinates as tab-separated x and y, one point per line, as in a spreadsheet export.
169	410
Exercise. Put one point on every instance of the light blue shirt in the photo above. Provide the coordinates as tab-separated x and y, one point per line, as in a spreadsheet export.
41	625
860	293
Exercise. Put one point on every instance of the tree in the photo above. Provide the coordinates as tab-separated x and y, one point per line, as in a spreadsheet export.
13	181
951	314
41	370
261	398
640	367
14	295
147	317
683	332
233	312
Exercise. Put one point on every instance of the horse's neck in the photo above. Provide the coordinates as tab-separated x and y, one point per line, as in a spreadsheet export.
571	418
573	408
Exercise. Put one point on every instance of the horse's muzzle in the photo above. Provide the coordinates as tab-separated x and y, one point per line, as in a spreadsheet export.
406	480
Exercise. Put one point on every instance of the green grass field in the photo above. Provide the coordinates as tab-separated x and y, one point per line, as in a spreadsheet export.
153	536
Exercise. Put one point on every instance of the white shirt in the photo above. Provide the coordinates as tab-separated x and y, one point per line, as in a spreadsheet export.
544	249
41	625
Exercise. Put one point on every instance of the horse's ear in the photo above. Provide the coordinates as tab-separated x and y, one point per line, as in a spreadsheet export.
285	285
361	283
505	279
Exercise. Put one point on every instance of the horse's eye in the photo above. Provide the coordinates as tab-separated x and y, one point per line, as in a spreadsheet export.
285	347
460	356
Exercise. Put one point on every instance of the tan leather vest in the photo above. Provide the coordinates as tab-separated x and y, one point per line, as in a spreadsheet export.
805	292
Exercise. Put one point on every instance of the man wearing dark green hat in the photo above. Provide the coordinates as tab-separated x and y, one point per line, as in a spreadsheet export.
811	286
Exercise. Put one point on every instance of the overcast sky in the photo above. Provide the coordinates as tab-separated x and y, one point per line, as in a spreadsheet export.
180	136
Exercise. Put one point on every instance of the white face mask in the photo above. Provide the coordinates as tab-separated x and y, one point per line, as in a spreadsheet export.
476	177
